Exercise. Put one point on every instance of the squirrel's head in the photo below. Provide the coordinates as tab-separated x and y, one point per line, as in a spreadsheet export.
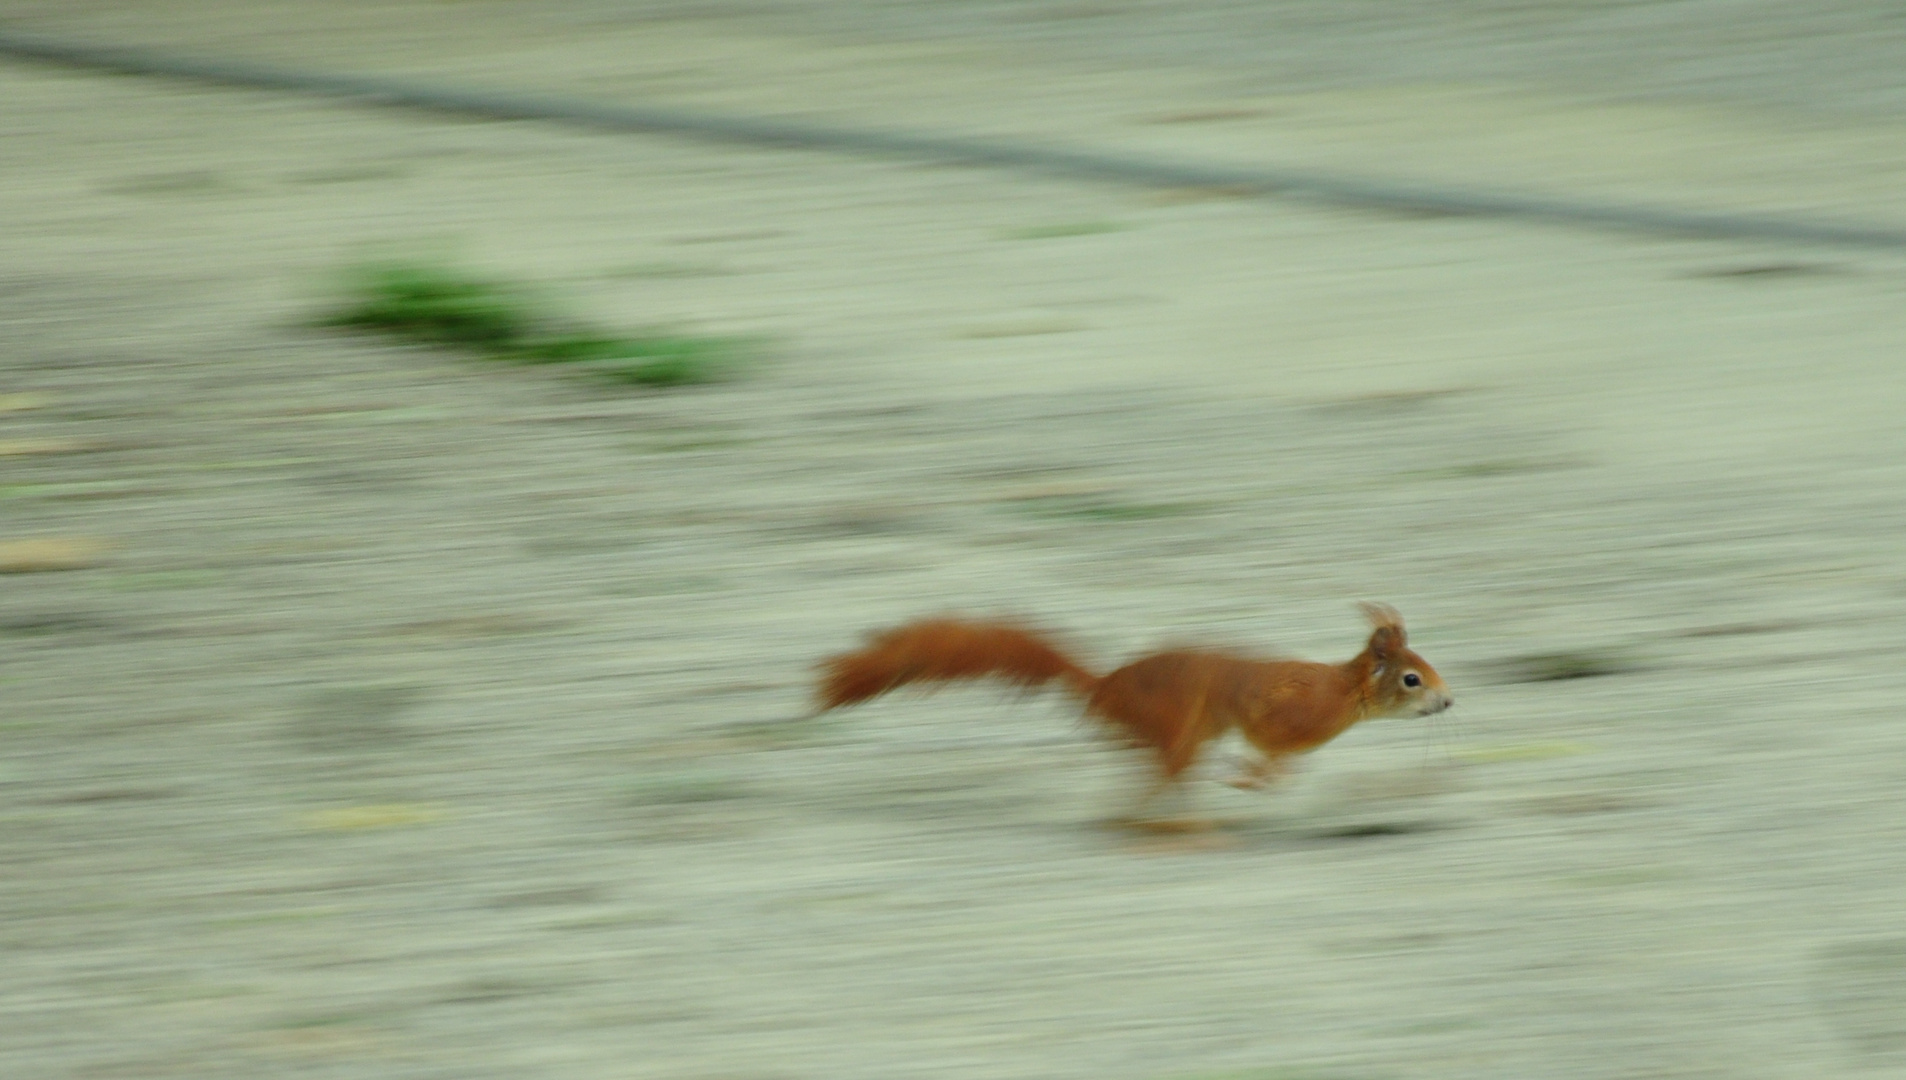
1400	682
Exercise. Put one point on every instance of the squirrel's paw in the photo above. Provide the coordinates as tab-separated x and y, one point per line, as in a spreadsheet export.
1255	775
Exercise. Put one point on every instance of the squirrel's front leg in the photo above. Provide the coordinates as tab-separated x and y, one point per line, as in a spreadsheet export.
1257	775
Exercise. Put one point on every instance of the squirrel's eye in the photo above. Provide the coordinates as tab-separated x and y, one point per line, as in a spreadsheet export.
1412	680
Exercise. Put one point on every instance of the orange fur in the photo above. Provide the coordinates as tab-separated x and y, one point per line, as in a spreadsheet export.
1173	702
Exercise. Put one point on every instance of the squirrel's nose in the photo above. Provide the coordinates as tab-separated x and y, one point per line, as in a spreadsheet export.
1444	701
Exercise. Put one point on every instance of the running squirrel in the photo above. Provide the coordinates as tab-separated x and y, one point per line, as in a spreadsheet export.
1171	702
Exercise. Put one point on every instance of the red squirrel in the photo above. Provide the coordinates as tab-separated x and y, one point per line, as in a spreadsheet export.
1171	702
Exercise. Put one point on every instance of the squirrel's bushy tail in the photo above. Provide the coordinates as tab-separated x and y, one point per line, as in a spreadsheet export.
942	650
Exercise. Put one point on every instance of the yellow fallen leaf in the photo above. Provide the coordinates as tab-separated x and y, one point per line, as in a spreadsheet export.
371	816
49	553
22	447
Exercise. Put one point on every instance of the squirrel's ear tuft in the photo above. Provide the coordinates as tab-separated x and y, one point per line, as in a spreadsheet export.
1382	616
1388	636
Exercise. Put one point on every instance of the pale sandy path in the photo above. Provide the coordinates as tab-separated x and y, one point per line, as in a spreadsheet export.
409	726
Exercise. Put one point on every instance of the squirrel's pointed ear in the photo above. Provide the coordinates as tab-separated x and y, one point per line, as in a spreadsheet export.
1388	638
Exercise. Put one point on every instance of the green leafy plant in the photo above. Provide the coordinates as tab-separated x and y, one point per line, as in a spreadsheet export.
435	305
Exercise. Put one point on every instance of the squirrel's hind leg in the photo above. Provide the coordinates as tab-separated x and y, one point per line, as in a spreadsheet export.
1176	752
1167	788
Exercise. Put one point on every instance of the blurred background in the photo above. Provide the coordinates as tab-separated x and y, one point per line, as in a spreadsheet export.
373	704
